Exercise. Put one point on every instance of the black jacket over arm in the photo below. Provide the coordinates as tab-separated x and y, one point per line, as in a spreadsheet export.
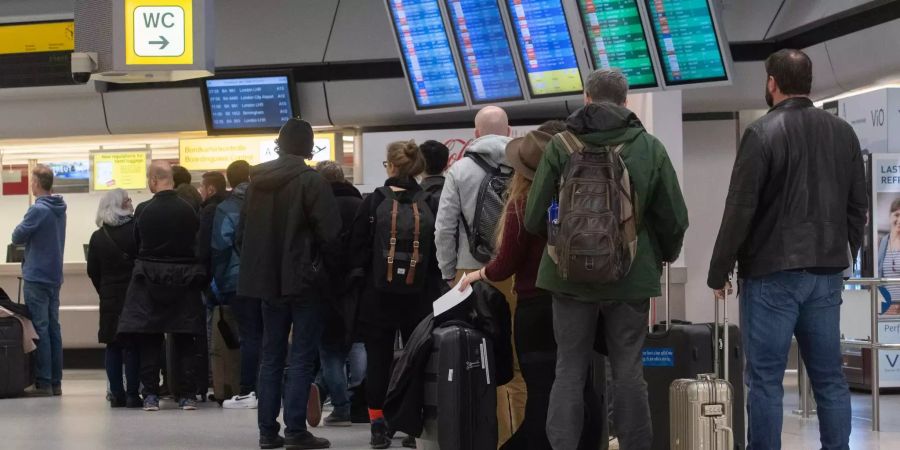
290	228
797	198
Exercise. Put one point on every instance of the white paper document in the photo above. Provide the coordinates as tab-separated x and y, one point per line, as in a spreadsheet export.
451	299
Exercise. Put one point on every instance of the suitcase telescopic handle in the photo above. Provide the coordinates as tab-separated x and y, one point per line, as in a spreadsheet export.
667	289
724	347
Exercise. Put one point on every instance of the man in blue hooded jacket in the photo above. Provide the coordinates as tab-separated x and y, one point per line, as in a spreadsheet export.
43	232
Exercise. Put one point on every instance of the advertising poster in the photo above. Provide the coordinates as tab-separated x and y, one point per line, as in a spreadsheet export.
886	222
70	177
125	170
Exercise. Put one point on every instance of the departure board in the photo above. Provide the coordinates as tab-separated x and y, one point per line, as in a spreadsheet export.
249	103
426	54
545	45
686	41
616	37
484	48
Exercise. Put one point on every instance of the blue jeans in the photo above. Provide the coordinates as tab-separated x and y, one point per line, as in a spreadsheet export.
774	308
248	313
116	356
334	375
42	301
356	364
283	375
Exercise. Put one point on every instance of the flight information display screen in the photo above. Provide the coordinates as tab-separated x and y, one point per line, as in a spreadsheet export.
249	102
617	39
426	53
687	42
484	48
545	45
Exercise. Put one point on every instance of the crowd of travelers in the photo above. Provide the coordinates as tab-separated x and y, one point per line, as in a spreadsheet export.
317	286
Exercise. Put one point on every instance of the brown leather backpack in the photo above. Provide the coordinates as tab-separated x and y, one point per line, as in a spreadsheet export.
594	239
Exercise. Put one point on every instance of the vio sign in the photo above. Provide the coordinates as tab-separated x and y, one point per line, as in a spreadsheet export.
158	32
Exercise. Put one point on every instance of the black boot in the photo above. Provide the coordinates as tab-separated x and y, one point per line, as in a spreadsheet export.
380	439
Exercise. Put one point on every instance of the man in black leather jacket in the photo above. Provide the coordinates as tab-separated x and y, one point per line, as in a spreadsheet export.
796	210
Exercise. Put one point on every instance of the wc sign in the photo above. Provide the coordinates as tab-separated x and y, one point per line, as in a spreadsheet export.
158	32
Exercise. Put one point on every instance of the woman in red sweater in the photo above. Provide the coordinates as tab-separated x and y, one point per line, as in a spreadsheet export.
519	254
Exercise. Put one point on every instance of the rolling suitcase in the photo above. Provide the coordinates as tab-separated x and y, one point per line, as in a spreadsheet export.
675	350
15	364
460	391
701	411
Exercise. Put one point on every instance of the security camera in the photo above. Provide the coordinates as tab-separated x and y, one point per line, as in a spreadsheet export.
83	65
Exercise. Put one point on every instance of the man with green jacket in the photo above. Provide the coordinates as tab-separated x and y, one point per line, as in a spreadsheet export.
662	221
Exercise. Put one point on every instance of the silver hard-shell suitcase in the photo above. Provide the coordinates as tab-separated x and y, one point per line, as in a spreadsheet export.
700	409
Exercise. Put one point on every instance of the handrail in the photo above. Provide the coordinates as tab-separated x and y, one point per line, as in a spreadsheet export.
872	343
871	281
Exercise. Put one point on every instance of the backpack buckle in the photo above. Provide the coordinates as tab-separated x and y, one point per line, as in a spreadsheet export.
412	264
589	263
415	244
390	260
393	241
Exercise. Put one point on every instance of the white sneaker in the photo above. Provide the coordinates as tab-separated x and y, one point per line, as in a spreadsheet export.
242	402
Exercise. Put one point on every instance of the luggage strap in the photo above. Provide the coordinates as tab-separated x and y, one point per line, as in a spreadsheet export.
410	277
393	243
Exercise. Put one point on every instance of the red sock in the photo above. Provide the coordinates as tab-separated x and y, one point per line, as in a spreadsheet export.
376	414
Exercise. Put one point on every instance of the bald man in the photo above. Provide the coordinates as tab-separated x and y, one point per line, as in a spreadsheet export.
164	295
456	216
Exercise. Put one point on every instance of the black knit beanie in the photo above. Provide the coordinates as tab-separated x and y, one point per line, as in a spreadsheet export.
296	138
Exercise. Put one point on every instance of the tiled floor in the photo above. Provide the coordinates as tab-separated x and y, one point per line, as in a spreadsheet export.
80	420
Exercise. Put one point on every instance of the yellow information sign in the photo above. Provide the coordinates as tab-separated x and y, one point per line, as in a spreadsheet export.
216	153
37	37
159	32
125	170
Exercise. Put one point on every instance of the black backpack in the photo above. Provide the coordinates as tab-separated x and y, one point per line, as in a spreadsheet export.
488	208
402	244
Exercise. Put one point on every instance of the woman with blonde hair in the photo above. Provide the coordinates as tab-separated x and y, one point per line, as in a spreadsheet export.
110	260
392	243
519	254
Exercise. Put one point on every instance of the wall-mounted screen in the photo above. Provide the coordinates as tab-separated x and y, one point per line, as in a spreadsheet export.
70	177
426	54
484	48
545	47
616	37
687	41
249	103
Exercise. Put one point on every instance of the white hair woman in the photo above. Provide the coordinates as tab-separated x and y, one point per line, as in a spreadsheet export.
110	260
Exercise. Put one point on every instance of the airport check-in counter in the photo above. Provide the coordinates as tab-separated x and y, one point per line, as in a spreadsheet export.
79	310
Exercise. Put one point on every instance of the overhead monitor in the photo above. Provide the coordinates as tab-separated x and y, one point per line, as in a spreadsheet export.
545	47
426	54
617	39
484	48
690	48
249	103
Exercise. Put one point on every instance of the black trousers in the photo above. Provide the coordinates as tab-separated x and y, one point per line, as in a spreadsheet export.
536	350
181	376
380	361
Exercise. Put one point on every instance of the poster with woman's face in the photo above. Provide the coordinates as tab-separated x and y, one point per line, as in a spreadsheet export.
885	217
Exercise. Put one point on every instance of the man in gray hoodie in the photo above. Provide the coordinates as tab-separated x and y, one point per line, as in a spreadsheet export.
458	202
460	193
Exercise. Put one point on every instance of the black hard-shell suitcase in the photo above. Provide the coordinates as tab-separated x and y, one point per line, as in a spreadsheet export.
685	350
461	390
15	364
